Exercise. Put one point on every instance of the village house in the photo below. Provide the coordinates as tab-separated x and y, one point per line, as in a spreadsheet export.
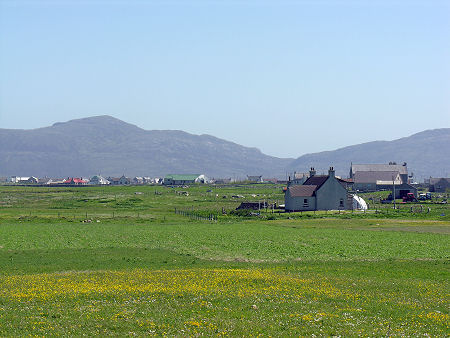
98	180
124	180
113	180
119	180
43	180
256	179
138	180
75	181
147	180
299	178
318	192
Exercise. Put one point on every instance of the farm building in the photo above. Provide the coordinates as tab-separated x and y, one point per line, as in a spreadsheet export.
252	205
184	179
24	180
440	184
401	189
318	192
371	177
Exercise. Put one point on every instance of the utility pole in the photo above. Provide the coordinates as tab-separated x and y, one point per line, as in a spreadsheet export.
393	190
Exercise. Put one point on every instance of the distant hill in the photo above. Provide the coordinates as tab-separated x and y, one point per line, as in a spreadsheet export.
108	146
426	153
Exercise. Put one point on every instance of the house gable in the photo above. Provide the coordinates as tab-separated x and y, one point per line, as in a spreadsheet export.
331	195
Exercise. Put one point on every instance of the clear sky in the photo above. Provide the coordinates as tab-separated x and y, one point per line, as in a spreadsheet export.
287	77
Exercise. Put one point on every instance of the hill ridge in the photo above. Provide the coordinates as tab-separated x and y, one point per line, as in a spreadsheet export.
426	153
87	146
107	145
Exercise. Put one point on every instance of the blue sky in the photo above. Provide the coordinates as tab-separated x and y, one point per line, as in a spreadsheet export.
287	77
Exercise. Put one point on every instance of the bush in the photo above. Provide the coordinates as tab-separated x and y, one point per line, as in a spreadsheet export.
242	212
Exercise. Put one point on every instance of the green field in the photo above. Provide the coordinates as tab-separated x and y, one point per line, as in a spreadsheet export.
121	261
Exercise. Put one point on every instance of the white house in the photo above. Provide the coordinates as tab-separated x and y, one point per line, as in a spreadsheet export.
318	192
98	180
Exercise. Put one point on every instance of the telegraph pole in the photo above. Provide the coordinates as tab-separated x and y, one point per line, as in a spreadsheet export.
393	190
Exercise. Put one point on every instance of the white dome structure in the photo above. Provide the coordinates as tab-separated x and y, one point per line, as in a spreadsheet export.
359	203
202	179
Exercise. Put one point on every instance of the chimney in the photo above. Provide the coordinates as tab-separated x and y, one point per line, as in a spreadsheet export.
331	172
312	172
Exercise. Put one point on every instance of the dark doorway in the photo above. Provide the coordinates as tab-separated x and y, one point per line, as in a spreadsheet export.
403	193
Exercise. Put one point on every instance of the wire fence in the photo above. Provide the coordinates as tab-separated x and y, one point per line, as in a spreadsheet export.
195	215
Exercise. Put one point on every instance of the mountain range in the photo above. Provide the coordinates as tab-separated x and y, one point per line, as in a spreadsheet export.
108	146
426	153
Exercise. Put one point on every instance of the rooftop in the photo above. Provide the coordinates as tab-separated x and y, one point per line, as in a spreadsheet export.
401	168
302	190
374	176
317	180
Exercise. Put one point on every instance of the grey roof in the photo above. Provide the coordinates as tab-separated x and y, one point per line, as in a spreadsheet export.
374	176
402	169
317	180
302	190
434	180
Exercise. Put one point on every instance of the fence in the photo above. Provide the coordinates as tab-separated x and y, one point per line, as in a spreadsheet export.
196	216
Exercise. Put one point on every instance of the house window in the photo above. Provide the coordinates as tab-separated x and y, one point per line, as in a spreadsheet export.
305	203
341	203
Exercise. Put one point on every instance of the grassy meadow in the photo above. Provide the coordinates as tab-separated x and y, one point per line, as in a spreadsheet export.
121	261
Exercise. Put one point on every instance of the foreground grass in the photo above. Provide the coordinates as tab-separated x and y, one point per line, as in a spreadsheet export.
149	271
317	239
237	301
